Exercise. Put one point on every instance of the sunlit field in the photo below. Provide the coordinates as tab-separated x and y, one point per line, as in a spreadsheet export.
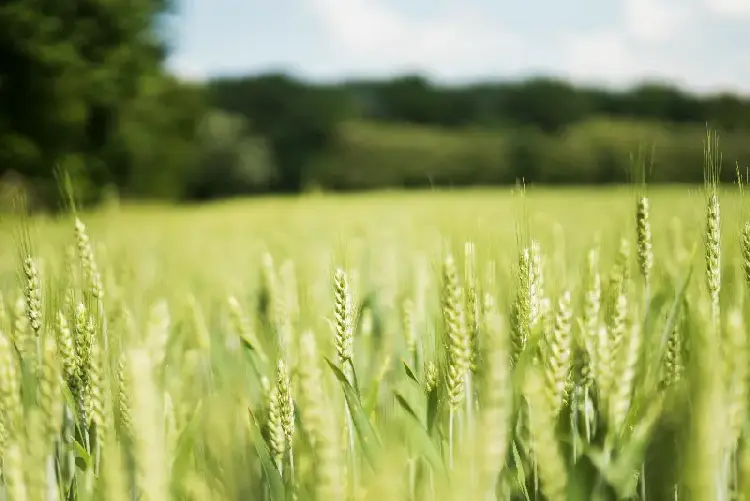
475	344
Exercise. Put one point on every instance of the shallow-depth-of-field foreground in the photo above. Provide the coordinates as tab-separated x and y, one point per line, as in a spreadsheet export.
560	344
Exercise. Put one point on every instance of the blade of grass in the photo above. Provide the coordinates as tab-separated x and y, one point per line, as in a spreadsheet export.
275	482
426	446
368	438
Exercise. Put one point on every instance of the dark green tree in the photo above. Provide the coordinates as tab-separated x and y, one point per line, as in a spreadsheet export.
71	75
298	121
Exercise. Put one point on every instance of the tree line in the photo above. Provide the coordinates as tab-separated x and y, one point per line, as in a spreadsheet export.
409	132
83	89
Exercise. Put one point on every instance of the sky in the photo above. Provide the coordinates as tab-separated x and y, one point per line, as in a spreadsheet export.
700	45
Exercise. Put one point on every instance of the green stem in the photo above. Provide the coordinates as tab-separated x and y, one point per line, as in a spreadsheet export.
586	422
450	438
348	370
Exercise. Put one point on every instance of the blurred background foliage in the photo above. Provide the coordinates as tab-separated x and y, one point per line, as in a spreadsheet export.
83	87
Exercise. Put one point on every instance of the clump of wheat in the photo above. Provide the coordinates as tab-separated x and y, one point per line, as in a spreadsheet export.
154	416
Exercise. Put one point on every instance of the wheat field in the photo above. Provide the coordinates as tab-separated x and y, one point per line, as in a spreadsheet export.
558	344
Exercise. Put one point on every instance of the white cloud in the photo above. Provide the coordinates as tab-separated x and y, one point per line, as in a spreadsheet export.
377	36
600	56
612	58
657	21
729	8
647	42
